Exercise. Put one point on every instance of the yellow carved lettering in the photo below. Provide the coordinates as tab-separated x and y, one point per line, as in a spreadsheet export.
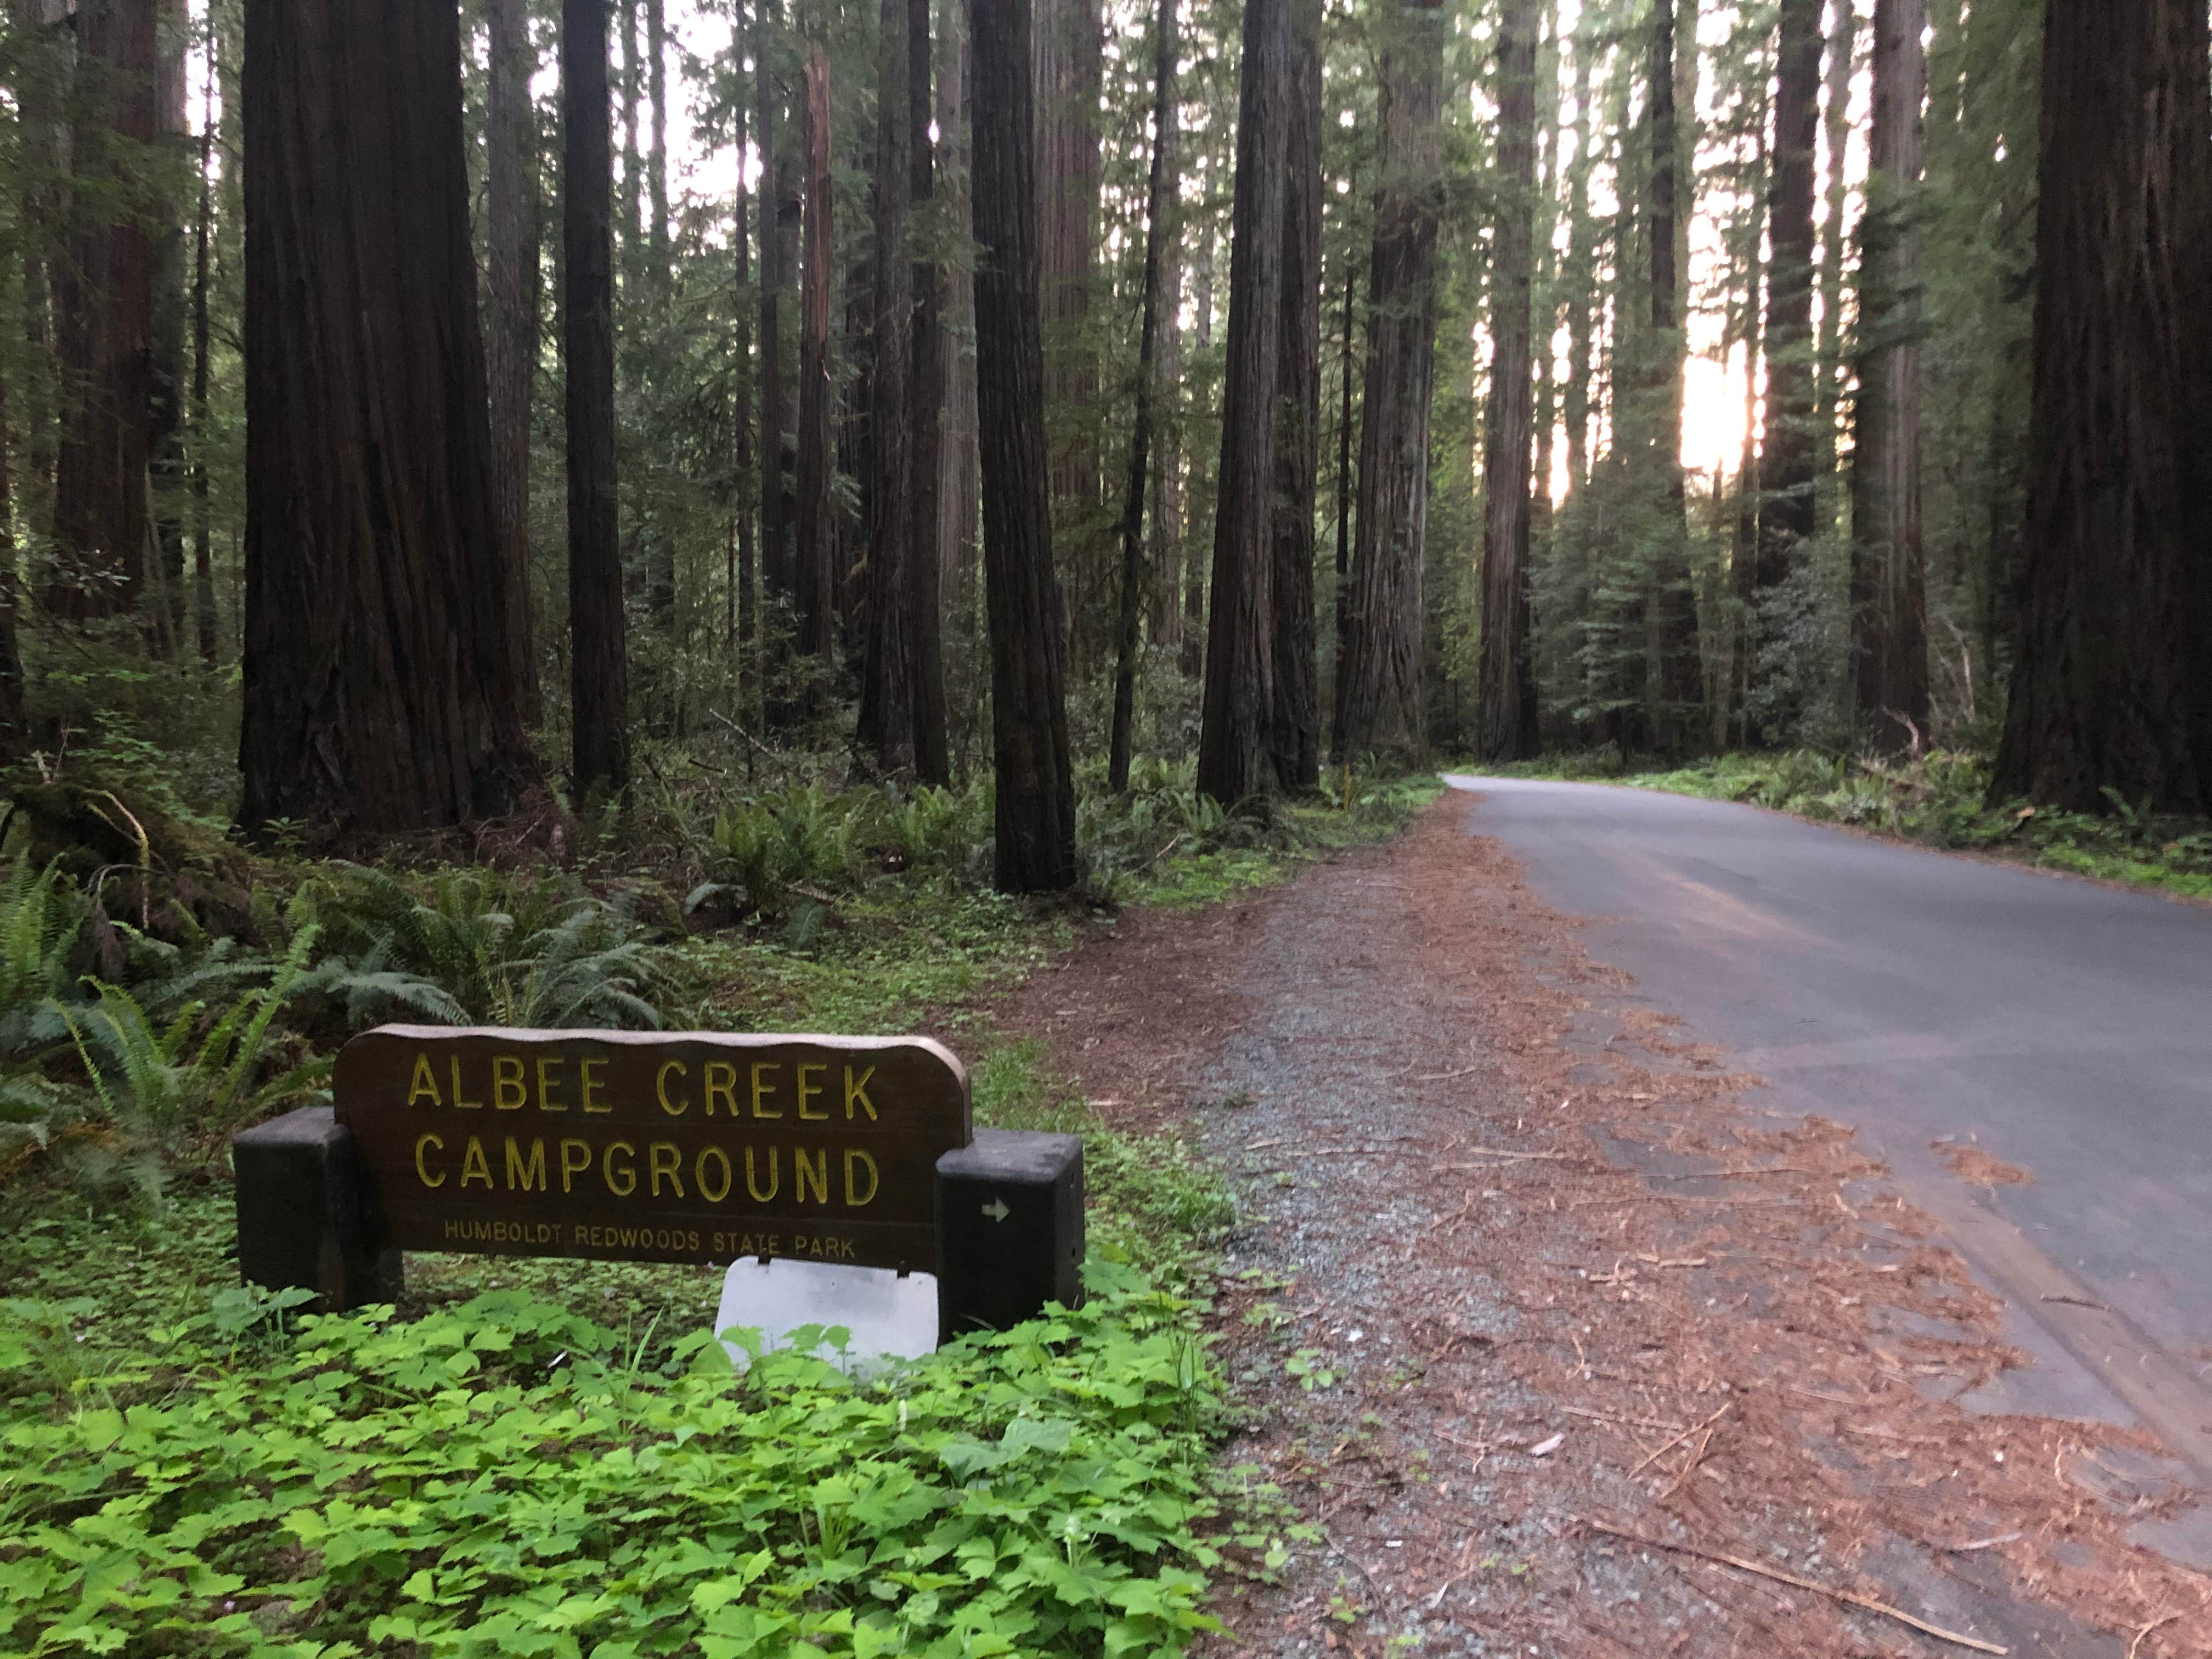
853	1156
424	1083
856	1094
817	1175
575	1158
466	1105
775	1178
663	1157
590	1085
673	1107
422	1170
807	1091
473	1164
761	1088
509	1093
549	1078
722	1083
712	1193
529	1173
622	1181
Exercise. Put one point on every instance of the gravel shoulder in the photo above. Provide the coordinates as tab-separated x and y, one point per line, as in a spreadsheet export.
1534	1316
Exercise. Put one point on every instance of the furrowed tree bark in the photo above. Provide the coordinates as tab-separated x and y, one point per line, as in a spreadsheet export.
1679	681
817	529
958	509
1378	697
600	644
744	598
206	625
656	71
777	233
1294	716
633	91
1157	208
2110	681
379	696
1066	49
103	303
1030	757
1889	606
933	754
1836	132
1505	705
1344	480
15	722
166	459
1163	581
1234	763
1787	508
1579	276
511	315
886	722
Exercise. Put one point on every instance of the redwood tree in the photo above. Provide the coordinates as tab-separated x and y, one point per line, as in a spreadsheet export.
1505	706
1294	716
933	757
1157	209
511	309
1791	449
378	694
2111	685
103	303
1889	609
1034	767
599	639
1234	764
817	570
1378	692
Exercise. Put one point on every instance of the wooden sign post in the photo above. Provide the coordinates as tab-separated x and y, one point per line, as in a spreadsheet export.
627	1146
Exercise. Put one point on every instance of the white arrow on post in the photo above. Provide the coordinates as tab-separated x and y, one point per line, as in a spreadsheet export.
997	1210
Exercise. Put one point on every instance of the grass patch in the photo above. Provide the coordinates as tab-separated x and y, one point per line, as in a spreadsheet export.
1939	799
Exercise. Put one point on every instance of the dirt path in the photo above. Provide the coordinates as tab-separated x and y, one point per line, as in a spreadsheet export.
1552	1283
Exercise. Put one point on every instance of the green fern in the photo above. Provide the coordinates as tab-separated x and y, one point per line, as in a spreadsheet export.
40	916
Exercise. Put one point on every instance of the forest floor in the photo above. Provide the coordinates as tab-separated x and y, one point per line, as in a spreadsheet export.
1559	1343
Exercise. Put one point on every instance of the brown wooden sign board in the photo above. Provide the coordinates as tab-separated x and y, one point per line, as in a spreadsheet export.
640	1147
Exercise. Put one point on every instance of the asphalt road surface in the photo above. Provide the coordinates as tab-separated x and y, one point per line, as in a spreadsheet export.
2056	1024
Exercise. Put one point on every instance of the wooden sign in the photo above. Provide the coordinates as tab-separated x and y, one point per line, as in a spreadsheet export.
638	1146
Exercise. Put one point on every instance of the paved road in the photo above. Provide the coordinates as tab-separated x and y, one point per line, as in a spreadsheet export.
2066	1027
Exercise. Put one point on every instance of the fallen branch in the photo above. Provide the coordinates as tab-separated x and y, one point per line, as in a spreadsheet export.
1670	1445
1499	1152
1849	1598
1636	1422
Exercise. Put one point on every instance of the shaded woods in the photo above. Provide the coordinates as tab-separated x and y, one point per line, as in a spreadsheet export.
474	406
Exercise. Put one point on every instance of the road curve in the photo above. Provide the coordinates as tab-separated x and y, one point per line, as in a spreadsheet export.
2057	1025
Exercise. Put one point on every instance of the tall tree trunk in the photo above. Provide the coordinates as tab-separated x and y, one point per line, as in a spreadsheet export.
744	598
15	722
1192	661
1505	706
105	319
817	528
1888	586
1067	52
633	93
1677	681
1294	717
958	509
656	70
1786	516
2112	675
167	371
885	722
1344	479
1378	696
1164	586
777	234
204	603
599	648
933	757
1157	208
378	695
1836	133
1234	763
511	317
1030	757
1580	276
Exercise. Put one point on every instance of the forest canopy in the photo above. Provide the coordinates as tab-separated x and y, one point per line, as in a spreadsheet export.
415	413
